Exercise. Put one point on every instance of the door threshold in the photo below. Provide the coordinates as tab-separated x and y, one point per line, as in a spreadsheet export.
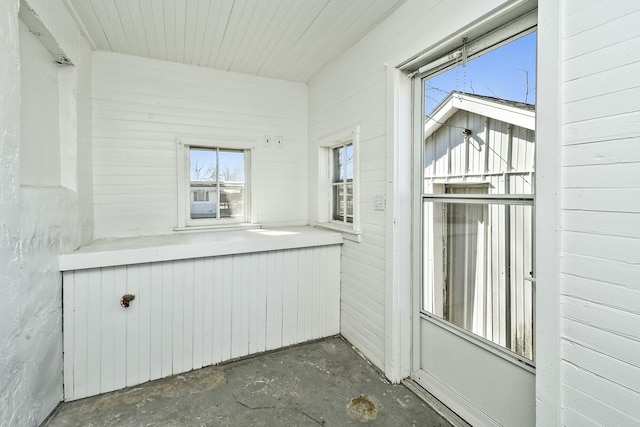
438	406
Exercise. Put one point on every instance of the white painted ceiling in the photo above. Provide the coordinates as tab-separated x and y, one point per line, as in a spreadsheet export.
283	39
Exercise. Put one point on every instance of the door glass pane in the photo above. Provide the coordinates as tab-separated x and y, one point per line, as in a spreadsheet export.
477	259
477	255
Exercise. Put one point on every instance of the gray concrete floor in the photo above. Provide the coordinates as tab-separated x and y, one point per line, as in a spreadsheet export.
320	383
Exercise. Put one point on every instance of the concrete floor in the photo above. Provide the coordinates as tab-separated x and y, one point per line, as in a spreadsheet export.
321	383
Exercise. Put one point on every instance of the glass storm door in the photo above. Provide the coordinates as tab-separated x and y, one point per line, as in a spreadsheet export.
474	328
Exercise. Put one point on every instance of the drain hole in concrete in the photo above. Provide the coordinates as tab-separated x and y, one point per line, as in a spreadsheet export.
363	408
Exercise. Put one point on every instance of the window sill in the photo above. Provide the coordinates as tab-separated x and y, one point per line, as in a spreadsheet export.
347	231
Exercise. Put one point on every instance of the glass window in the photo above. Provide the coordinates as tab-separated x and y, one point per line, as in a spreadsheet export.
478	195
477	258
342	183
217	184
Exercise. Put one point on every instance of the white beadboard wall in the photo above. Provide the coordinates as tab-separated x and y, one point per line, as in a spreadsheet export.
140	107
353	91
601	214
192	313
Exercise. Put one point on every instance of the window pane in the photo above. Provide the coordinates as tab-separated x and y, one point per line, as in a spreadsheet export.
508	72
349	187
203	165
349	161
476	259
338	202
231	166
338	164
232	184
202	170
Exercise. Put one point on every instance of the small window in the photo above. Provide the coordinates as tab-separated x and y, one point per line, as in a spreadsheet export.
217	183
342	162
200	196
214	187
338	185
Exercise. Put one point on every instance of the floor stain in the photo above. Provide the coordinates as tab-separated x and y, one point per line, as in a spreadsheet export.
200	381
363	408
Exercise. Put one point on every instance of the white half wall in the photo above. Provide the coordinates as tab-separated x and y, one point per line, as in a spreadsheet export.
190	313
141	106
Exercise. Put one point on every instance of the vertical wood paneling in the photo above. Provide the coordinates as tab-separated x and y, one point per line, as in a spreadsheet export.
302	294
156	318
277	299
286	308
208	310
187	285
270	302
167	319
144	321
81	335
119	326
68	336
218	303
93	340
107	332
258	297
227	285
193	313
199	317
132	328
239	306
177	325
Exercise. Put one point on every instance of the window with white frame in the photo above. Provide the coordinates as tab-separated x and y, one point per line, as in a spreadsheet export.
342	183
338	199
214	187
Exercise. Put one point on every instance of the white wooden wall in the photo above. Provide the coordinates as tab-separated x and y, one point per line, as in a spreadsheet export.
140	107
600	214
192	313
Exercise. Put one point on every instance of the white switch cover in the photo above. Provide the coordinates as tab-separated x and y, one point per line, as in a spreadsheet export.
267	141
277	142
379	202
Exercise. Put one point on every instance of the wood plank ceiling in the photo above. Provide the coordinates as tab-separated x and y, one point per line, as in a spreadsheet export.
283	39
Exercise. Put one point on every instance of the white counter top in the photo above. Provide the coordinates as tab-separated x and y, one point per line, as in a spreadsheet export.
138	250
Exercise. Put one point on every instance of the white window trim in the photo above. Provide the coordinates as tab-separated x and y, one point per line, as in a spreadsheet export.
183	184
350	231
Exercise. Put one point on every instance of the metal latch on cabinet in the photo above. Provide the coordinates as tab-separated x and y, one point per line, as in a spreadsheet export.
126	300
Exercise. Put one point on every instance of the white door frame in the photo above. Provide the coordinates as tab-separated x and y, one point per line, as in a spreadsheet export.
400	274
